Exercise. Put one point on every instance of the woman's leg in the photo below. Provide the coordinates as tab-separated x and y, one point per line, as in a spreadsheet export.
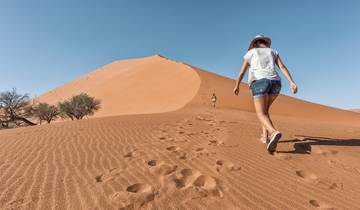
261	108
271	99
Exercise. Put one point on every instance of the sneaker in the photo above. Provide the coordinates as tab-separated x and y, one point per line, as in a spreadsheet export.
275	137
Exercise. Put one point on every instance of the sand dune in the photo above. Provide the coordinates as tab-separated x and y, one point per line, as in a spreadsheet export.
146	85
156	84
193	157
284	105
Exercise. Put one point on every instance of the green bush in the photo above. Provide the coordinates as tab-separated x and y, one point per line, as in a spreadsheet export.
79	106
44	111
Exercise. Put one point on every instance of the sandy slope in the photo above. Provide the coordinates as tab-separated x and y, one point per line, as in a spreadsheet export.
284	105
145	85
192	158
195	158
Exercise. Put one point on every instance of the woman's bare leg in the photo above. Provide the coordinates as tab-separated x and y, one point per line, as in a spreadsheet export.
261	109
270	100
264	132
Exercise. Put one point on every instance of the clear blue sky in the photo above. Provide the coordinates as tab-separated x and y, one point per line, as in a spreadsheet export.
44	44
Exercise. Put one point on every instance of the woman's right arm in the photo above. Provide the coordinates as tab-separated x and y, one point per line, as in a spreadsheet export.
240	76
286	72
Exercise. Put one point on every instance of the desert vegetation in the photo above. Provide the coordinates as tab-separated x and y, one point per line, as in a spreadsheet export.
17	110
79	106
46	112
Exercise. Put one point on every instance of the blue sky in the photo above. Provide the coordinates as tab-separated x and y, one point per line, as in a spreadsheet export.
44	44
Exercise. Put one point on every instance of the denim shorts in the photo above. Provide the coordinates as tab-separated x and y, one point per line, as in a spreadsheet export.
264	86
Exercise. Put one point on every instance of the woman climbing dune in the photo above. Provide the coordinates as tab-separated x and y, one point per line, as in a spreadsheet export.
265	84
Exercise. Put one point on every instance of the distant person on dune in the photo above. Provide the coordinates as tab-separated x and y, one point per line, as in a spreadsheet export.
213	100
265	84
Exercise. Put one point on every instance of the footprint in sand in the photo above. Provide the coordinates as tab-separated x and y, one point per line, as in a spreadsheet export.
200	151
160	168
162	138
333	186
192	134
215	143
222	165
173	148
135	196
182	155
309	177
110	175
198	183
328	184
166	138
131	154
176	150
316	204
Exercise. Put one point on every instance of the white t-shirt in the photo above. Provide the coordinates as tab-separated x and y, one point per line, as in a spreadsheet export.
262	64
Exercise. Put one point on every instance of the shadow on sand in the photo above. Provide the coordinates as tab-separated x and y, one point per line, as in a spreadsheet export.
302	144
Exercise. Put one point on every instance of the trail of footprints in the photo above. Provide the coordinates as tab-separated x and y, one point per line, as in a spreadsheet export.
314	179
171	177
135	196
181	132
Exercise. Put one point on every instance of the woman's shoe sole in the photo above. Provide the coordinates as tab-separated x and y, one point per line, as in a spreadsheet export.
271	147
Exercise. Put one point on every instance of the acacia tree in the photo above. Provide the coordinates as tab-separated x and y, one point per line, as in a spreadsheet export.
44	111
79	106
14	108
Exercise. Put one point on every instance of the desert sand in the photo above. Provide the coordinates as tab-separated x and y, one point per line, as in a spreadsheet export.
157	144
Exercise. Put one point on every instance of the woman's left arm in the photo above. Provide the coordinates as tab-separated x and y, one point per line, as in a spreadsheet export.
240	76
286	72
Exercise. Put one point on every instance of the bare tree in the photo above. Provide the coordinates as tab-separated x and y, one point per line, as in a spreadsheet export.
46	112
14	108
79	106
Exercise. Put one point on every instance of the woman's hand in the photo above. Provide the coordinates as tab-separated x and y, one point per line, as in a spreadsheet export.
236	90
293	87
